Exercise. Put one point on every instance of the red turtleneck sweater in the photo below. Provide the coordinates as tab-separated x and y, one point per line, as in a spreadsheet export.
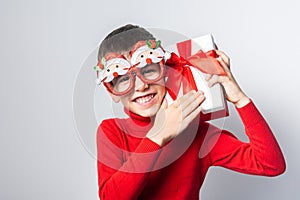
130	166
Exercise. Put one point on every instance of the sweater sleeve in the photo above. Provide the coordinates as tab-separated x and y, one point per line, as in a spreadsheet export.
122	174
261	156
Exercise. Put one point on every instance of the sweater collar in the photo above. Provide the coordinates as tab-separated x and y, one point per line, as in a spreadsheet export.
137	123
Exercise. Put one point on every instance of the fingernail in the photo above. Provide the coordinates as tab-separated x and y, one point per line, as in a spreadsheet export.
207	76
200	92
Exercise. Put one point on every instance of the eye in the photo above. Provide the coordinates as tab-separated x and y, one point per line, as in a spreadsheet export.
117	66
122	80
125	78
142	56
150	70
147	71
108	70
151	52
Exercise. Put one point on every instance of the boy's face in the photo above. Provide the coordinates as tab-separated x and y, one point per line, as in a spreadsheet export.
144	99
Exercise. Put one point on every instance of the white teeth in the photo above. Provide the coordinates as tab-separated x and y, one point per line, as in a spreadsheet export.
144	99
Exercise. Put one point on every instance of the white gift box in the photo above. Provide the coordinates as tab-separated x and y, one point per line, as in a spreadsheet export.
215	105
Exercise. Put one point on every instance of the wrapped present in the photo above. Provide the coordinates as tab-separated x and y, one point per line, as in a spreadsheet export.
190	61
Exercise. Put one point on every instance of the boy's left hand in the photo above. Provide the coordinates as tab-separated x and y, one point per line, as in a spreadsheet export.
234	93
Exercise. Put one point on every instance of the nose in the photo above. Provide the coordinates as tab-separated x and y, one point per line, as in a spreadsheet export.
140	85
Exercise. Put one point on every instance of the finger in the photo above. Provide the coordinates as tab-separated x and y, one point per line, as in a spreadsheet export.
192	106
191	116
214	79
208	76
178	102
191	99
224	65
224	57
164	104
217	79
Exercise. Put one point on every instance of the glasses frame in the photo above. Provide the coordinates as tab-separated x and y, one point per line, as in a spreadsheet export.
132	73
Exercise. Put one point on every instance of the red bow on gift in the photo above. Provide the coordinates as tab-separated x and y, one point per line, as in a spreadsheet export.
179	71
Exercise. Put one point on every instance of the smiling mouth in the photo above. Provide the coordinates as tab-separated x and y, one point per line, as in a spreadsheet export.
144	99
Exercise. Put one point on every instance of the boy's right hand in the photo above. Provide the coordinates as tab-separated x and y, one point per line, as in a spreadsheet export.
171	120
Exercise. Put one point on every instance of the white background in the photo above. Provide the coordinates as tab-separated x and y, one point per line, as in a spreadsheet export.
44	43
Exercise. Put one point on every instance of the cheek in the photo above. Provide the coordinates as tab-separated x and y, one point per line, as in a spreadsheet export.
160	88
163	90
126	99
161	84
125	103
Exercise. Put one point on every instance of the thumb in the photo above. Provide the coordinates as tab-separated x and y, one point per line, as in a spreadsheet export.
164	104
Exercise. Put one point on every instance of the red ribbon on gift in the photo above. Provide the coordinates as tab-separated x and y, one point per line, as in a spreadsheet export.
179	71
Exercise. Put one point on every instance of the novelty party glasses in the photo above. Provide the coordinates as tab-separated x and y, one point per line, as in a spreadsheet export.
146	61
123	84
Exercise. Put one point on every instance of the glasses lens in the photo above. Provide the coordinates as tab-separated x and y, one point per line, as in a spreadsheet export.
121	83
151	72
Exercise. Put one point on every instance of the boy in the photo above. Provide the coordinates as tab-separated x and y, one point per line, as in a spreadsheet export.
154	154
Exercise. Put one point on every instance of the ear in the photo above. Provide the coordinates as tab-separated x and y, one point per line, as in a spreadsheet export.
115	98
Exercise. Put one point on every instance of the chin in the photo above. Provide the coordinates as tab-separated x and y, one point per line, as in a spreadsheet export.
150	112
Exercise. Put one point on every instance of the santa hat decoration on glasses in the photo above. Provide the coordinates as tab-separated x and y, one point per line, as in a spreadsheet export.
110	67
147	52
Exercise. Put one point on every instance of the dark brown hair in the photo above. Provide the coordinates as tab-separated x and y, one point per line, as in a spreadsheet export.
123	39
